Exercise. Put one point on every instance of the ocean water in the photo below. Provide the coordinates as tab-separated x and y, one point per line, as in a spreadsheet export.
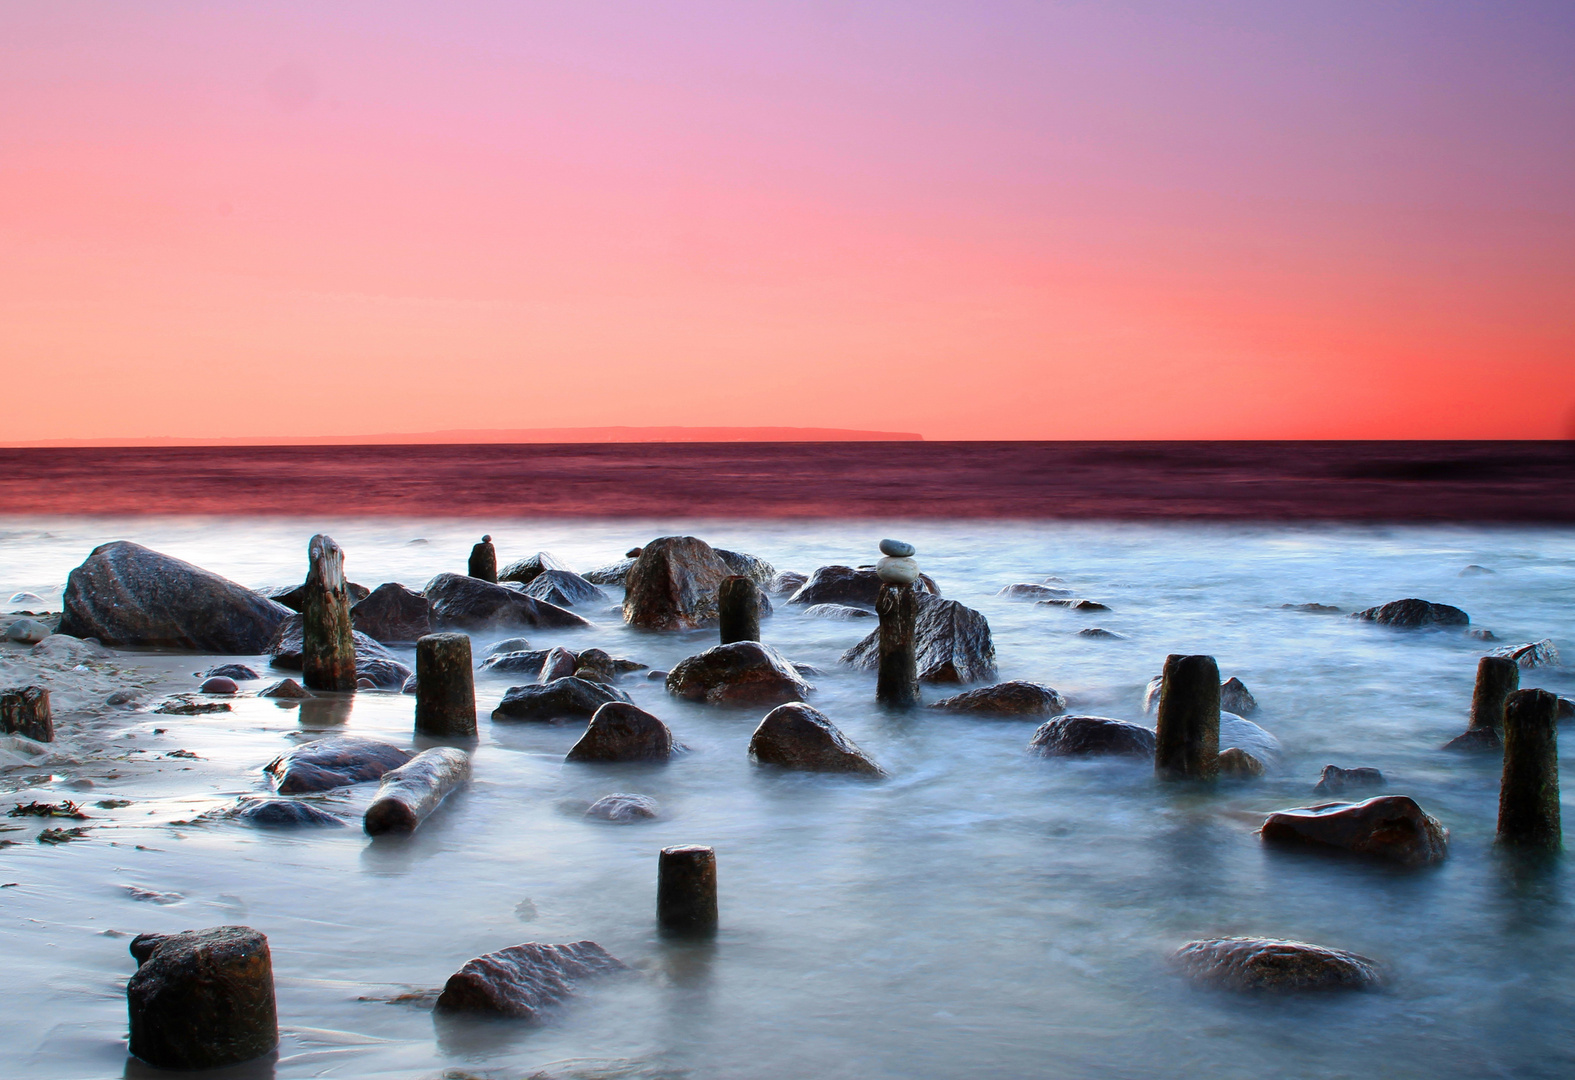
981	913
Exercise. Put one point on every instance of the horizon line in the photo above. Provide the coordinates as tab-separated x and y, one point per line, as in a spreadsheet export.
489	436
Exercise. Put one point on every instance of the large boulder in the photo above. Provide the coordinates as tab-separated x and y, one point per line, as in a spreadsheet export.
1413	614
741	673
528	570
523	980
1390	827
567	698
294	596
460	602
333	762
1016	698
673	585
126	594
846	585
1091	736
795	736
612	574
372	661
952	643
755	569
564	588
1271	964
392	613
620	731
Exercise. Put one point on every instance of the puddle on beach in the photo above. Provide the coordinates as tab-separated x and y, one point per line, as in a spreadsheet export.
981	913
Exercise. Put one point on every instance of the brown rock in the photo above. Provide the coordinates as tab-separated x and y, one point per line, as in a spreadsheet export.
1390	827
24	710
673	585
952	642
1242	963
393	614
620	731
742	673
1236	764
795	736
1091	736
523	980
1016	698
202	999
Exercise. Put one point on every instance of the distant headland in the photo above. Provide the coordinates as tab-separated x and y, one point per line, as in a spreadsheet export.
522	435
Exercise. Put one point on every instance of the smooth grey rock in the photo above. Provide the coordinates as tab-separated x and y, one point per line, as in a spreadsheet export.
393	614
561	699
842	612
952	643
30	600
27	631
527	570
795	736
785	582
1275	965
1413	614
1013	699
1027	591
461	602
524	980
621	806
897	571
1091	736
898	549
614	574
508	645
740	673
333	762
1242	733
564	588
745	565
285	814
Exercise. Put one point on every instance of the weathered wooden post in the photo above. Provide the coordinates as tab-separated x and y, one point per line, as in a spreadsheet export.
686	890
484	561
202	999
897	604
1187	730
738	603
24	710
1497	678
445	687
327	647
1528	794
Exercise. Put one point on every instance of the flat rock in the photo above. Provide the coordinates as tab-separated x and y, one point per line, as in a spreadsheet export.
1390	827
1024	590
529	569
1091	736
294	596
285	814
523	981
460	602
1075	605
393	614
238	672
333	762
745	565
126	594
673	585
1413	614
1532	654
564	588
1313	609
561	699
524	662
621	806
847	585
1473	570
952	643
1100	633
612	574
841	612
1236	698
740	673
795	736
1271	964
898	549
621	731
1016	698
1335	780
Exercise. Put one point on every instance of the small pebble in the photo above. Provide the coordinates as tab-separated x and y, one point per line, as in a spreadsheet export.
898	549
219	684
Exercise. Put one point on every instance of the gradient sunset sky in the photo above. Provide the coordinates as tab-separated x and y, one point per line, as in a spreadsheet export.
1074	220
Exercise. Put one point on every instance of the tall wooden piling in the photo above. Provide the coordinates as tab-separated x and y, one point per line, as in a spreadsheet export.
897	677
686	890
327	647
1187	732
484	561
1528	794
738	604
1497	678
445	687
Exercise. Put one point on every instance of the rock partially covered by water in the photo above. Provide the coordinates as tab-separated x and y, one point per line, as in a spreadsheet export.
202	999
372	660
1532	654
1016	698
745	565
285	688
1236	698
1413	614
1091	736
524	662
788	581
460	602
621	806
1024	590
238	672
840	612
845	585
952	643
1335	780
564	588
795	736
1245	735
1236	764
333	762
740	673
1075	605
285	814
393	614
561	699
524	980
1243	963
673	585
621	731
1390	827
528	570
612	574
294	596
126	594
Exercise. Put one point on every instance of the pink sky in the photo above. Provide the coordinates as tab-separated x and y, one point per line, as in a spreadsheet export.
1002	220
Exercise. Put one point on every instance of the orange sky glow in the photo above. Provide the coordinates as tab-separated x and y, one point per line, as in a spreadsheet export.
997	221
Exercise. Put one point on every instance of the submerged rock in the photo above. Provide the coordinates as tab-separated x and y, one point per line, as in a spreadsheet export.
1476	741
529	569
787	581
1236	764
461	602
294	596
1016	698
1235	731
1532	654
333	762
508	645
1091	736
613	574
621	731
284	688
1075	605
382	673
1390	827
372	661
1335	780
238	672
1236	698
1473	570
524	980
285	814
952	643
847	585
1413	614
621	806
673	585
1313	609
595	665
561	699
393	614
740	673
1101	633
841	612
1024	590
1242	963
795	736
126	594
564	588
202	999
525	662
